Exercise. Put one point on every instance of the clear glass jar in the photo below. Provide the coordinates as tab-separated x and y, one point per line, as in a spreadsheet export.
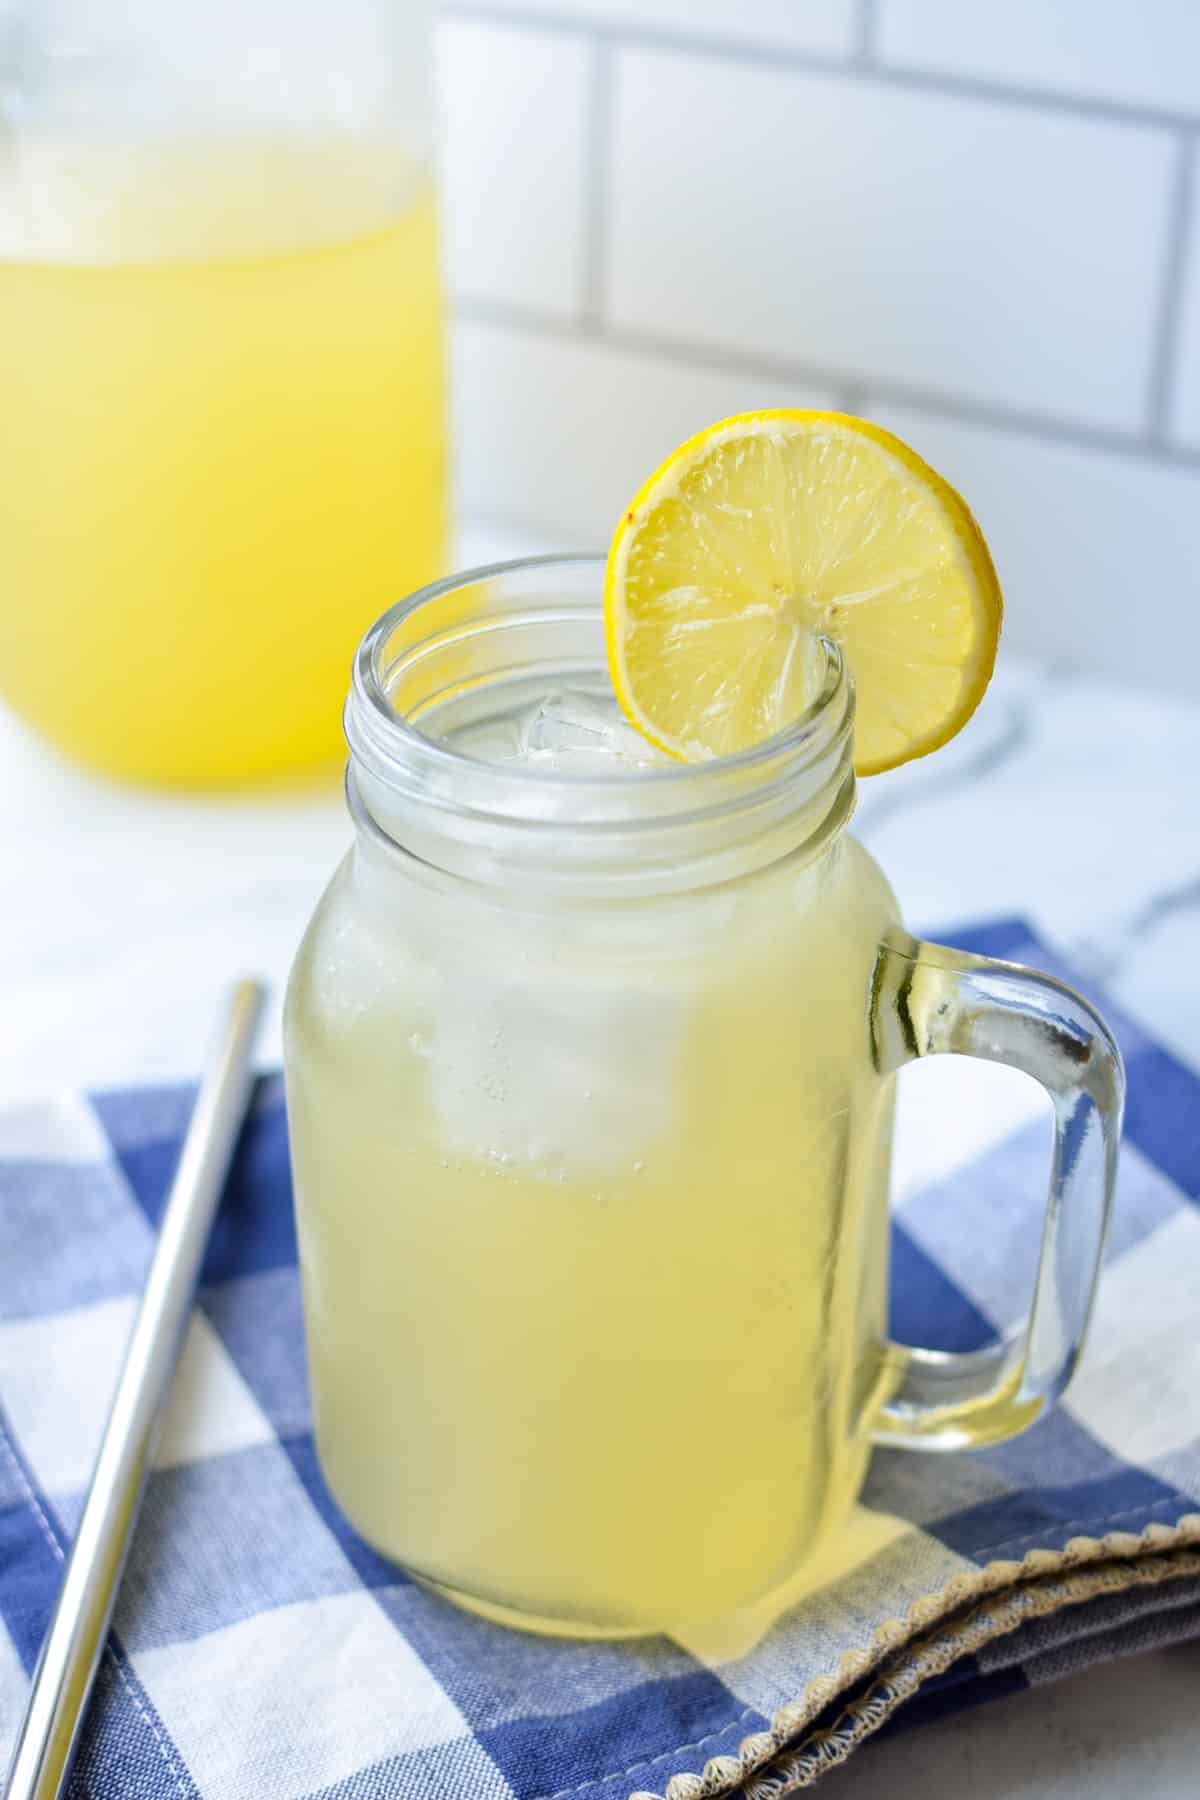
221	359
590	1084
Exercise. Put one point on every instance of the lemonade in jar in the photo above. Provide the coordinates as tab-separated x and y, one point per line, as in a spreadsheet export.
591	1048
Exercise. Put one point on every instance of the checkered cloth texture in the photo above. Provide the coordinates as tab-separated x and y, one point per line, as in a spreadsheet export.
262	1652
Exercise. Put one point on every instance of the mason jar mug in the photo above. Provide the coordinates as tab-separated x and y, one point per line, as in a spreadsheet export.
590	1066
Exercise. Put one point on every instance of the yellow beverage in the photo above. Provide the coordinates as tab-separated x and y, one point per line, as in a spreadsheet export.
592	1208
223	444
591	1048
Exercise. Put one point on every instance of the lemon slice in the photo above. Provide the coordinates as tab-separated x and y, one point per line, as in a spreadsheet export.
769	531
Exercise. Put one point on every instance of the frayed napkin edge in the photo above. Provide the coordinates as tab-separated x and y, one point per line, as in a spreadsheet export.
971	1610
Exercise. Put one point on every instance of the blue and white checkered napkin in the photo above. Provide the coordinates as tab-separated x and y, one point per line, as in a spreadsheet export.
261	1652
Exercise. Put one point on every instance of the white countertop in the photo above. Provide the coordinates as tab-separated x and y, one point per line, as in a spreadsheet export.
1071	802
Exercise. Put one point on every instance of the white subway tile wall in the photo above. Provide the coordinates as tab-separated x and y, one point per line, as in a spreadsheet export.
514	162
1146	55
980	224
963	248
592	419
1088	542
1185	398
819	25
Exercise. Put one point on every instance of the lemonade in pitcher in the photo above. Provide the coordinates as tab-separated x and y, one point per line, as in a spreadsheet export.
221	360
591	1047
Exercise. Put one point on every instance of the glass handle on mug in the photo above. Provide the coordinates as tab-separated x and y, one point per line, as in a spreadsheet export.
931	1001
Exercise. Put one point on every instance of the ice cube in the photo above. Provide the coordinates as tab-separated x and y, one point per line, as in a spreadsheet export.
570	721
573	730
546	1071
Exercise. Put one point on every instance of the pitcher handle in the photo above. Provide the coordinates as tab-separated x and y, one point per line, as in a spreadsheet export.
932	1001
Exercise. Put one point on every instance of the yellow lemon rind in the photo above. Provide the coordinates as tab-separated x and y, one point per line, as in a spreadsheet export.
963	528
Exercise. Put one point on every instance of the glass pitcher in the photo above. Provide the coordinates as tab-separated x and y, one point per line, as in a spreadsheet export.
590	1071
223	449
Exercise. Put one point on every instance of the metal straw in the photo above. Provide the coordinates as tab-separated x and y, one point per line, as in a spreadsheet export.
78	1627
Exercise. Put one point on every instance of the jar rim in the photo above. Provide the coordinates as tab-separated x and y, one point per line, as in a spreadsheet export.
369	688
413	784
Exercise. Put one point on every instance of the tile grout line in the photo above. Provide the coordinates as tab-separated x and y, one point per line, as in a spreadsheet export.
858	66
866	34
848	384
593	296
1168	325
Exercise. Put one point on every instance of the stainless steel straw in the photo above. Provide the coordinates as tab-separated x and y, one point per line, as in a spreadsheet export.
75	1638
